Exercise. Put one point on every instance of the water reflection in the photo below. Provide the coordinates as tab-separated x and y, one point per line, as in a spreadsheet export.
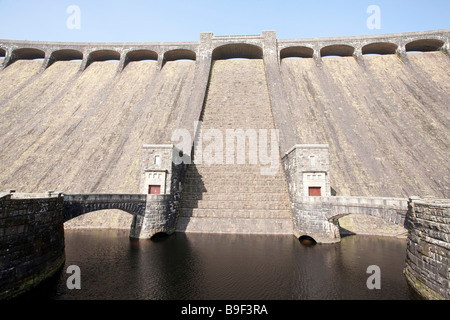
232	267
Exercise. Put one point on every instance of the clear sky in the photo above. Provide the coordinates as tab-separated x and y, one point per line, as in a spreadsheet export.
176	20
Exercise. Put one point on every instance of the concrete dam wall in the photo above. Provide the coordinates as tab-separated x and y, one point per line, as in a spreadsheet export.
386	120
83	132
79	126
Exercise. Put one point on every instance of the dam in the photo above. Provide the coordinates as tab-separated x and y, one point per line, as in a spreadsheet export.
75	118
76	115
361	124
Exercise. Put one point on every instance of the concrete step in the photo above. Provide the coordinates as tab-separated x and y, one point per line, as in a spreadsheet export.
235	168
241	188
234	226
234	213
236	196
219	121
275	184
225	174
235	204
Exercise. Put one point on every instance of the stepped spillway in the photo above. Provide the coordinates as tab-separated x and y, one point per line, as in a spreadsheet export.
235	198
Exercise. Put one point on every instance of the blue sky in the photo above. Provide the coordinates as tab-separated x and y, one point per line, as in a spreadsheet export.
176	20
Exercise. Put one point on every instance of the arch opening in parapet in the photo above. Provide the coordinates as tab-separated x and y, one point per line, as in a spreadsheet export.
425	45
28	54
180	54
337	50
104	55
307	241
237	50
2	53
67	55
142	55
296	52
379	48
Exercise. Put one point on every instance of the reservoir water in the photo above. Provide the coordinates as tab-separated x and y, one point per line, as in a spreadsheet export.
227	267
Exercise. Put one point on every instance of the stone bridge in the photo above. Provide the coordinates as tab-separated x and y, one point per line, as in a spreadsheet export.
78	204
152	214
317	217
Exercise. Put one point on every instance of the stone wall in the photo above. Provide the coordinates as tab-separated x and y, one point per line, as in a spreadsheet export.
31	242
428	250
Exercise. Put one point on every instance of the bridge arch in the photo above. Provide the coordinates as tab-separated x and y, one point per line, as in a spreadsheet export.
28	54
159	235
180	54
389	215
77	205
307	240
341	50
424	45
101	219
297	52
237	50
381	48
2	53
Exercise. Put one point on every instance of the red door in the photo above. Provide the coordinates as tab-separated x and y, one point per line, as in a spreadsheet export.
315	192
154	189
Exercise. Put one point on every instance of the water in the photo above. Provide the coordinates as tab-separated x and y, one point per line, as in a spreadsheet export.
227	267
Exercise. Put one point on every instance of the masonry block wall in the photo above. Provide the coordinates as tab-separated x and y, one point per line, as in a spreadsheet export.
158	218
31	242
428	250
159	172
307	166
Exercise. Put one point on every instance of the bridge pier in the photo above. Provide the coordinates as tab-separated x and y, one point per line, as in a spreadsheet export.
310	219
159	217
161	179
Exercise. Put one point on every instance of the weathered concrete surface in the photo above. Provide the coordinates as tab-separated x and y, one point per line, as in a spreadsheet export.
386	123
83	132
78	126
